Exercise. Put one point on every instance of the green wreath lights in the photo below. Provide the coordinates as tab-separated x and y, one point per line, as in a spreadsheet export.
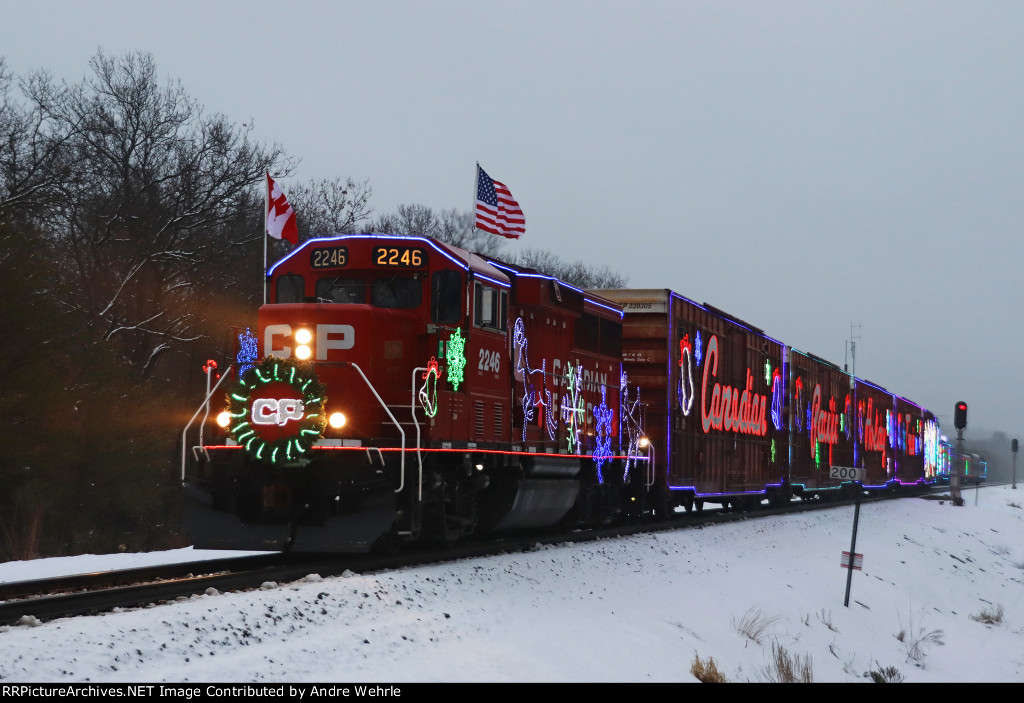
307	412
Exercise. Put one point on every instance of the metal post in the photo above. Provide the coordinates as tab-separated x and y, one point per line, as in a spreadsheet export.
1013	448
956	469
853	544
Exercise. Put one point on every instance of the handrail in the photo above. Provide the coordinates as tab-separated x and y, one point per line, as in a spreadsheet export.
401	483
204	405
412	410
206	401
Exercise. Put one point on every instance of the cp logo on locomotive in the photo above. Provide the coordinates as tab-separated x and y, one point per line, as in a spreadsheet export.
327	337
271	411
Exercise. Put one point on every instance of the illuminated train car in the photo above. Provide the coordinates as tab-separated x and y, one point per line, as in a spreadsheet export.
735	417
972	467
821	430
874	439
897	440
397	388
945	460
975	469
713	391
916	443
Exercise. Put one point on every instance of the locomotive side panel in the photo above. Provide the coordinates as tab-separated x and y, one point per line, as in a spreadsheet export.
564	348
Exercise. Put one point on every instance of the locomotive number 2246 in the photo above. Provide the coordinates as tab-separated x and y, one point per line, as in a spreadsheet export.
489	361
405	257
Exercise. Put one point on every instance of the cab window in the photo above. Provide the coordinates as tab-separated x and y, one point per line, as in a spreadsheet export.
490	307
290	288
340	290
446	297
611	338
397	292
588	332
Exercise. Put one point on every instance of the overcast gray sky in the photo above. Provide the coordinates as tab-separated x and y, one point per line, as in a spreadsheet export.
802	165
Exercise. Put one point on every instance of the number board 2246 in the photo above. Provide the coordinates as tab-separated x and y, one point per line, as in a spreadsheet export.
329	258
401	257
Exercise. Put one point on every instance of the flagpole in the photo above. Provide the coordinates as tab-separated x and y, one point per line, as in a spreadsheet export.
266	209
476	188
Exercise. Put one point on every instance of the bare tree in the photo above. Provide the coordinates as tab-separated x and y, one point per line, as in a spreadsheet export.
330	206
449	226
457	228
577	273
35	154
163	191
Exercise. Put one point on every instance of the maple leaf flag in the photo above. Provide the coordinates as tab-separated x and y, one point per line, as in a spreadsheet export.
497	211
280	216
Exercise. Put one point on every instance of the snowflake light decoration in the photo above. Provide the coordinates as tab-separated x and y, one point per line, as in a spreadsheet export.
572	406
455	355
248	351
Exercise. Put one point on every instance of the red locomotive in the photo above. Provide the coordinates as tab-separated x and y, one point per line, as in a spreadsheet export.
397	388
400	389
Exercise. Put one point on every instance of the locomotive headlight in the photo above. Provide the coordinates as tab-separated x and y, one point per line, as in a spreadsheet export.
337	420
224	419
303	336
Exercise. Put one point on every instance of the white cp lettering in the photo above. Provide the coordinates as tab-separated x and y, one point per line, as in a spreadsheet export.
271	411
327	337
334	337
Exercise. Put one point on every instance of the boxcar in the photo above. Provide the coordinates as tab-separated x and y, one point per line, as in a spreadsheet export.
713	390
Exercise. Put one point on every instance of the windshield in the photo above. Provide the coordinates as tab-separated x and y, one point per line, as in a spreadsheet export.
395	292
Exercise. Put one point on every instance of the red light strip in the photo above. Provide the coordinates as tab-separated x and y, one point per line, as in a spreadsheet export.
437	450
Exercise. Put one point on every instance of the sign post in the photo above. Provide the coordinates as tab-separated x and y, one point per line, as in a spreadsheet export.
1013	448
851	560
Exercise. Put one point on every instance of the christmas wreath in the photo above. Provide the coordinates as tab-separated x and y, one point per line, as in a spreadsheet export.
277	409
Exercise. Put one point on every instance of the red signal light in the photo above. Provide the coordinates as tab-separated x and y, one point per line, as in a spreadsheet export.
960	415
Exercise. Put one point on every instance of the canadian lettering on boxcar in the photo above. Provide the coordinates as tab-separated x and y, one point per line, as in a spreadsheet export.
822	434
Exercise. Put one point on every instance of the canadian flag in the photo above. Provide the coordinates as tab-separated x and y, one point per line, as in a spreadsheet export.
280	216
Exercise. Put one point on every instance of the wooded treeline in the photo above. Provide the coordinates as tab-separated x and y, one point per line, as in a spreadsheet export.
131	240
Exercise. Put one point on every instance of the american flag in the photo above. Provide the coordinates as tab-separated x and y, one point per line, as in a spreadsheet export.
497	211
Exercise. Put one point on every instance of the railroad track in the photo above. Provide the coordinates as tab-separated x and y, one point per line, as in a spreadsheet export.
48	599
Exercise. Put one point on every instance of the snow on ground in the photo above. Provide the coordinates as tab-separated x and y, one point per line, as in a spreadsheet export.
638	609
89	563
